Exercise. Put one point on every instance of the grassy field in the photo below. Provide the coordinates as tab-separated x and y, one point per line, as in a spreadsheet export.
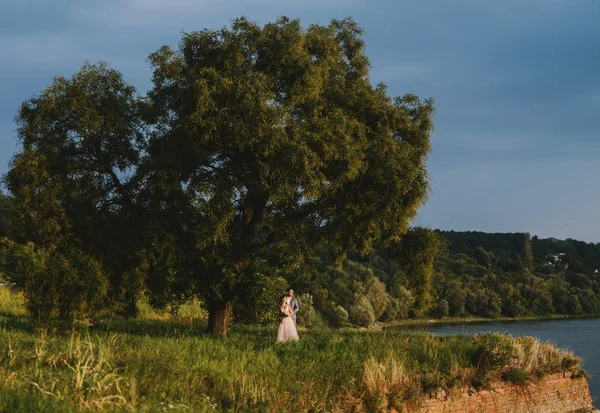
158	363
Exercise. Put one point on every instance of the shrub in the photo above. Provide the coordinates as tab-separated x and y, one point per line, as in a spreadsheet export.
392	311
492	353
512	306
494	310
377	296
361	313
400	301
339	315
68	284
307	316
405	302
516	375
259	304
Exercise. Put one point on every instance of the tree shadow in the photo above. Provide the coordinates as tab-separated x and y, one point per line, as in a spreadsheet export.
14	322
151	327
110	324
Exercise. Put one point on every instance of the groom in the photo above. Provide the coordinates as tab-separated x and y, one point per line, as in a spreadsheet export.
292	302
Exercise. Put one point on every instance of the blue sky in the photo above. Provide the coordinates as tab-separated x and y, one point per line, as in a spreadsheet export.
516	83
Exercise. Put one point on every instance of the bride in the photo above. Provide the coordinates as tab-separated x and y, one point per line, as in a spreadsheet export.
287	328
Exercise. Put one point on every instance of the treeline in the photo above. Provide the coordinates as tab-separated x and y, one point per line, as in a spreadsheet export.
427	274
471	274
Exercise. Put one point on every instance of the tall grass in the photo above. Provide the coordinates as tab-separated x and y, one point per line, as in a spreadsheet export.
165	363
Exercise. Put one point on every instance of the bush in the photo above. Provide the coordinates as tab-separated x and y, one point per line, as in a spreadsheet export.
339	315
307	316
361	313
492	352
494	310
377	296
259	304
68	285
400	301
392	311
516	376
405	302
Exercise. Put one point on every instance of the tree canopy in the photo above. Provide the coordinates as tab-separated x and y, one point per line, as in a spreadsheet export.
254	146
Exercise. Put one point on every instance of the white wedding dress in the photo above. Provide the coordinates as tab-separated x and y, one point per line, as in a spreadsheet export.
287	328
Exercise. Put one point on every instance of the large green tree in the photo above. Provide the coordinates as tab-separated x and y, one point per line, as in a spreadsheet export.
8	215
268	140
255	144
75	187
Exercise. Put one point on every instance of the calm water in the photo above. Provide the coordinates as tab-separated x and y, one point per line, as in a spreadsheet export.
582	337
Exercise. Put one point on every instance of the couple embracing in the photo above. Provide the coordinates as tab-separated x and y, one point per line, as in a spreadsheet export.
288	307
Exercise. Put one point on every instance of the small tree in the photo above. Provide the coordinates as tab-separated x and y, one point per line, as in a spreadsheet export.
361	312
307	316
74	189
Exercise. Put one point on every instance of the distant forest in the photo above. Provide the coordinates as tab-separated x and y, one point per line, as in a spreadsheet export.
473	274
429	273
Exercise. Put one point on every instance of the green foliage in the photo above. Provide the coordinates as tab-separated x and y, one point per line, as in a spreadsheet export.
375	292
516	376
67	285
307	316
416	253
73	187
259	150
361	312
281	136
573	306
339	315
483	257
8	216
472	280
259	303
442	309
527	251
512	306
255	144
492	352
455	297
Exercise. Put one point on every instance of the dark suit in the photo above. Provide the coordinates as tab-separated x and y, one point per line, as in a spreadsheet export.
294	306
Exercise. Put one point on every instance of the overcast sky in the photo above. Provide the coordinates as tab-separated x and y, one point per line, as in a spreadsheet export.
516	83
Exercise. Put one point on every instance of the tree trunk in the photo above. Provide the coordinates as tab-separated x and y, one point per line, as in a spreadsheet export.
219	318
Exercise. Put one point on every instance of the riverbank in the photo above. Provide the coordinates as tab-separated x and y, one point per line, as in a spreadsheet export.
421	322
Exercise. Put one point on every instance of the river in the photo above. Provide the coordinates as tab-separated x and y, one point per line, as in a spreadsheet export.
581	336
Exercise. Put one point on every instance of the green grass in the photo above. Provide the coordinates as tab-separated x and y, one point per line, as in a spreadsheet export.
160	363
